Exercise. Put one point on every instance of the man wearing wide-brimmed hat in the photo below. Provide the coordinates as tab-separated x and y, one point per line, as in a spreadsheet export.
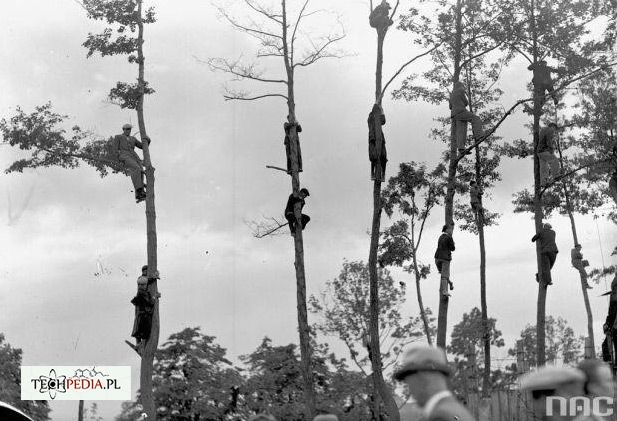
557	382
425	371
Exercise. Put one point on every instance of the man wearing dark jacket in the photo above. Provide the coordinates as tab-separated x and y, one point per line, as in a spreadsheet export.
443	257
373	155
548	250
289	210
287	127
144	307
609	345
549	163
542	81
425	371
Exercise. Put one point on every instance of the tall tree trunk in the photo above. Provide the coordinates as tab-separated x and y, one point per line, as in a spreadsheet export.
538	211
150	346
566	194
486	375
376	364
80	411
442	318
427	329
303	326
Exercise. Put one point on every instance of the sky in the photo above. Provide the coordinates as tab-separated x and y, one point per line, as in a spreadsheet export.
73	243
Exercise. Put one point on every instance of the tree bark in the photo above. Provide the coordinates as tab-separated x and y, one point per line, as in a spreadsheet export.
376	364
442	318
80	411
303	326
151	345
486	375
538	211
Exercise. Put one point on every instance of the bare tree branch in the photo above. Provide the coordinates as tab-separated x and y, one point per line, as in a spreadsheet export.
265	228
400	70
293	35
257	33
267	13
241	71
242	96
320	52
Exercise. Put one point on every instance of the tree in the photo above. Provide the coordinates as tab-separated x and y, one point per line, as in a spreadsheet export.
345	313
412	194
10	383
274	384
467	344
41	134
561	342
192	379
550	30
458	25
279	39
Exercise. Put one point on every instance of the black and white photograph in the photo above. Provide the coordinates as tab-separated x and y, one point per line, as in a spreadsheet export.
201	218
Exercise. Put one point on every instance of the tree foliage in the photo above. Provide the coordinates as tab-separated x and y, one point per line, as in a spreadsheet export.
10	383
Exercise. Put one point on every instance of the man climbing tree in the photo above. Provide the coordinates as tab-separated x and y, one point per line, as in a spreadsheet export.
548	250
579	264
475	199
542	81
380	16
290	209
549	163
443	257
461	115
377	155
144	303
287	127
124	149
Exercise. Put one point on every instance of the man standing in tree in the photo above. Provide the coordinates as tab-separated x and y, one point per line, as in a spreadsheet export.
549	163
374	157
579	264
289	210
474	196
461	115
548	250
380	16
144	306
287	127
542	81
123	146
426	371
443	257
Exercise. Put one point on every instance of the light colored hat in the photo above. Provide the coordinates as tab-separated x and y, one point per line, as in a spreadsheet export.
326	417
422	358
127	126
547	378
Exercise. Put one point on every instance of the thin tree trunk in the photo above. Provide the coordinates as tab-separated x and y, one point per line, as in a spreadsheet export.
538	212
80	411
376	364
584	284
150	346
486	375
442	318
427	330
303	326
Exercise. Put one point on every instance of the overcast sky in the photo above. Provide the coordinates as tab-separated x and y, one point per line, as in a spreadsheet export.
210	158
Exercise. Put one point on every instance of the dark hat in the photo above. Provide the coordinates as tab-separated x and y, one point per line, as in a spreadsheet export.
422	358
550	377
305	191
144	267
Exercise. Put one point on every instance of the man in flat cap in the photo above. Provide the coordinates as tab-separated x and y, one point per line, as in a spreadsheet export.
123	145
144	303
290	212
425	371
550	383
